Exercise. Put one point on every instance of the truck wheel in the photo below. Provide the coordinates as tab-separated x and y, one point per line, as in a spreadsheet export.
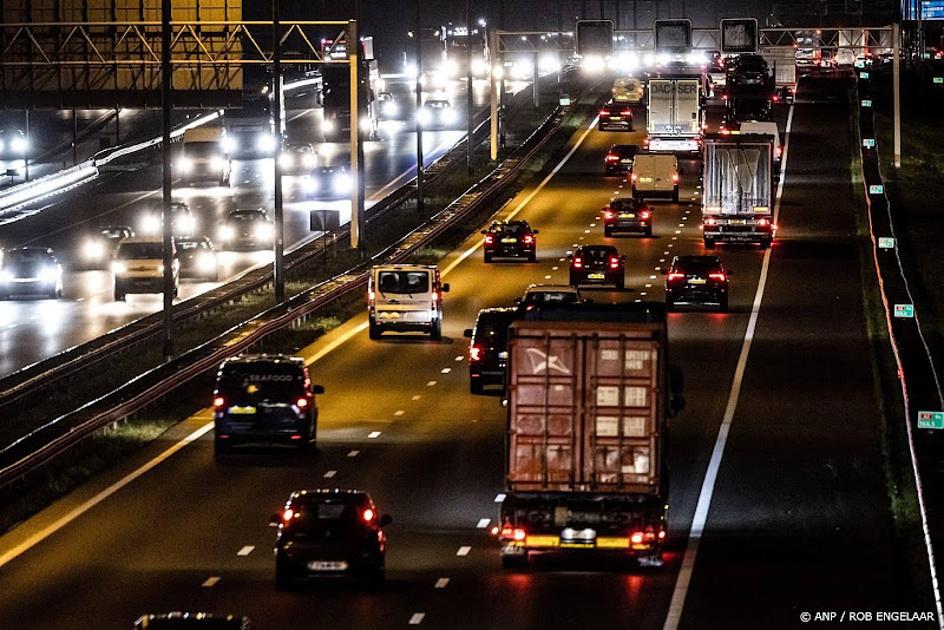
475	387
709	243
488	258
374	331
675	196
435	330
515	562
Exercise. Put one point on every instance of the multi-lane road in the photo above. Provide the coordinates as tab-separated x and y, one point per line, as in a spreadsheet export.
777	500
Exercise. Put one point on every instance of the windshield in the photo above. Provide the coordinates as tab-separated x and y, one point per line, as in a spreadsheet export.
140	250
26	257
403	281
202	149
261	382
551	297
246	216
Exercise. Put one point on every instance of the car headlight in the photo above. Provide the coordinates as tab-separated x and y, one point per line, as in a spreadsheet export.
286	160
2	145
217	164
206	262
229	144
5	275
48	274
18	145
226	233
263	231
479	68
265	142
390	108
184	165
342	183
118	267
93	250
150	224
366	125
309	160
448	116
423	117
328	125
186	223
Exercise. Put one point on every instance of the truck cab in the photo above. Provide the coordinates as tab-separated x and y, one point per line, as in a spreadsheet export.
203	156
405	298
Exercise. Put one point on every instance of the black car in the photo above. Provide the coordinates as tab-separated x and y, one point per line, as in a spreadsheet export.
597	264
627	215
619	159
198	258
696	281
488	350
192	621
329	534
247	230
30	271
537	296
510	239
328	182
618	116
264	399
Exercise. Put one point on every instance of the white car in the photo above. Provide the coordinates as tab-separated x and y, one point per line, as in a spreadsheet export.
405	298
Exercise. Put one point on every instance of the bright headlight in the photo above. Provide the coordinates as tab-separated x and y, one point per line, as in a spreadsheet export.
93	250
150	224
424	117
263	231
342	182
390	108
265	142
548	63
18	145
217	164
5	275
498	73
365	125
229	144
479	68
2	145
286	160
48	274
448	115
184	164
328	125
186	223
696	58
206	262
118	267
523	69
594	63
310	185
450	68
226	233
309	160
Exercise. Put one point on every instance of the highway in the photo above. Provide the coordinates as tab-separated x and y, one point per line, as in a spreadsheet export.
34	329
792	518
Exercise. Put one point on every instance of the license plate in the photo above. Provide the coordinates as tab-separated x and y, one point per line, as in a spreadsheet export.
626	161
739	222
327	566
596	276
616	118
509	240
242	411
697	281
389	315
627	215
645	180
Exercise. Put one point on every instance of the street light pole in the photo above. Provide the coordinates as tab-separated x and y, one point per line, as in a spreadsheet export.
353	43
279	240
167	78
468	77
358	171
418	33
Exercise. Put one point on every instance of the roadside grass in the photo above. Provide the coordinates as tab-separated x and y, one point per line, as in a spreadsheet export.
109	448
913	568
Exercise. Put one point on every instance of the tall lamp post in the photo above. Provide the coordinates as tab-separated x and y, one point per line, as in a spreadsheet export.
278	241
468	77
417	34
166	86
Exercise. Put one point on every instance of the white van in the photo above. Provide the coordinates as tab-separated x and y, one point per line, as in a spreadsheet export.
405	298
203	156
845	57
627	90
655	175
764	128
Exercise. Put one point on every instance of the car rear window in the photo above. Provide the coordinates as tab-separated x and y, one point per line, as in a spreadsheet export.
319	516
403	282
140	250
260	382
26	257
598	253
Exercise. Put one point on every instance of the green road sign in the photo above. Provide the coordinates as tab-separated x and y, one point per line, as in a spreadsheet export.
863	75
564	101
866	102
938	80
904	311
868	143
931	420
876	189
886	242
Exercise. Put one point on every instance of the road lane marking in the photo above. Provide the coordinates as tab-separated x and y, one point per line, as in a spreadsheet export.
430	383
373	435
335	343
459	358
699	519
330	474
445	370
353	453
441	583
245	551
463	551
399	412
416	397
483	523
417	618
211	582
500	497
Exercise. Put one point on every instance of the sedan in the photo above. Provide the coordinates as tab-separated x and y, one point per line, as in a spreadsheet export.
597	264
627	215
198	259
30	271
247	229
328	182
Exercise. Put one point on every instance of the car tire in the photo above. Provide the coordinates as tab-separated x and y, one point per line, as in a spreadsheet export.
488	258
220	447
476	387
283	580
607	232
675	196
374	331
435	330
709	243
765	244
620	284
515	562
648	232
723	306
533	257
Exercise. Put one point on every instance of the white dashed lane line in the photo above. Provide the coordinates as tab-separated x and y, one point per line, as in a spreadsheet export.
441	583
430	384
483	523
416	397
399	412
211	582
459	358
463	551
417	618
353	453
373	435
445	370
330	474
245	551
500	497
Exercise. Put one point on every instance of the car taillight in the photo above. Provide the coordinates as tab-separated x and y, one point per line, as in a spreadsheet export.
489	239
614	262
778	151
611	158
718	276
370	297
604	112
577	263
775	98
675	178
513	533
528	239
434	298
301	403
645	537
609	214
219	402
711	221
475	353
367	515
675	277
645	214
763	222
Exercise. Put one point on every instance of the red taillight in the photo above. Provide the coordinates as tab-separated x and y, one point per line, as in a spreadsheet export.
675	178
645	214
614	262
634	177
528	239
779	151
775	98
718	276
604	112
370	297
368	515
475	353
711	221
636	538
301	403
645	538
509	533
489	239
219	402
609	214
611	158
577	263
763	222
435	297
675	277
725	131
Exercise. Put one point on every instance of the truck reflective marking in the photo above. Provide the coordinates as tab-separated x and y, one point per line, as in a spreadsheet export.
541	362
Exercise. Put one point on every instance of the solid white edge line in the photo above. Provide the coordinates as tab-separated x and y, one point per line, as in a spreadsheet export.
683	580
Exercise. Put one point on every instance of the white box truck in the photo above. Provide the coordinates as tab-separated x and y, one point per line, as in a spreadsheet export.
675	115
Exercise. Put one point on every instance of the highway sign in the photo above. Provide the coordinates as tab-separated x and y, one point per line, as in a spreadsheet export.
868	143
673	36
904	311
886	242
937	80
866	102
931	420
564	101
739	35
863	75
876	189
595	37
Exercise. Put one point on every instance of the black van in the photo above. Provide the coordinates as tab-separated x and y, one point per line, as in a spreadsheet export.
488	351
264	399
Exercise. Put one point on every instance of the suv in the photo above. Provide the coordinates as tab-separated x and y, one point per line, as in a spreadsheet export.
539	295
513	239
405	298
627	215
597	264
488	350
619	159
329	533
247	229
139	266
30	270
696	281
264	398
618	116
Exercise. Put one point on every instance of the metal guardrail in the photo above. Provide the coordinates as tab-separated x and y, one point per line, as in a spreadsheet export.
917	374
44	444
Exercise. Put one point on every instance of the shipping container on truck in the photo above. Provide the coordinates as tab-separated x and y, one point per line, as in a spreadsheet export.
588	397
675	115
738	190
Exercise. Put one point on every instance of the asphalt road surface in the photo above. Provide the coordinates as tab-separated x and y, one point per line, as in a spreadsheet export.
798	520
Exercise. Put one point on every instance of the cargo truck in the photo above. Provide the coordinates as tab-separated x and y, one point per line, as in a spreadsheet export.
738	182
589	391
675	115
783	65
